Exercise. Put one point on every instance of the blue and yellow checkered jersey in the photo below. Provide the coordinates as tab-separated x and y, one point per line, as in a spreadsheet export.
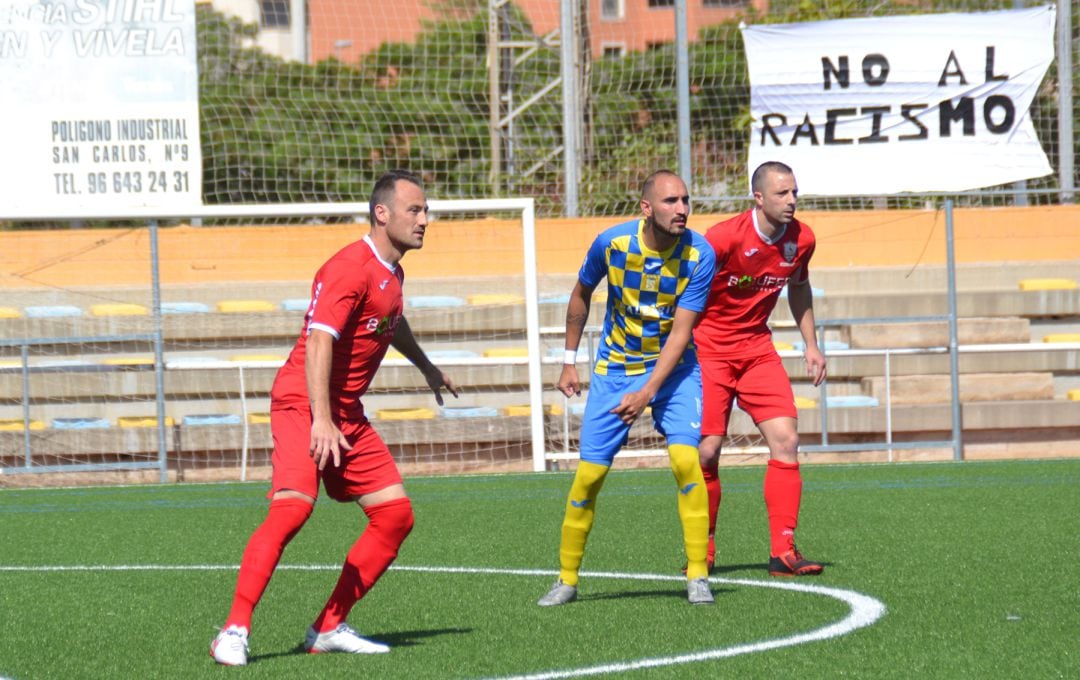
644	289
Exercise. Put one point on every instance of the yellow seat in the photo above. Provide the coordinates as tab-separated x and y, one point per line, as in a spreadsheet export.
1047	284
503	352
118	309
1073	395
142	421
404	414
17	425
1062	337
393	354
495	299
243	358
9	313
805	402
241	306
129	361
10	363
525	409
782	346
258	418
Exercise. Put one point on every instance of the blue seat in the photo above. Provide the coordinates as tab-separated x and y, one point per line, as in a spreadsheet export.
41	311
452	354
80	423
429	301
577	408
555	298
469	412
295	304
212	419
827	346
184	308
850	401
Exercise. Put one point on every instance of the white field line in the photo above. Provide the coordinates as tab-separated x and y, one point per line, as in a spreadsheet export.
864	610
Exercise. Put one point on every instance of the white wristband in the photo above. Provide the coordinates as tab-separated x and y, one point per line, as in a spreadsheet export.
569	357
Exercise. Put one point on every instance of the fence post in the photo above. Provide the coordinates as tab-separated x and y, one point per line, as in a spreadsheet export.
159	355
954	342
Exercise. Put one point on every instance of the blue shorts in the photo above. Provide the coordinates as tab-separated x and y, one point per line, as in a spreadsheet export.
676	411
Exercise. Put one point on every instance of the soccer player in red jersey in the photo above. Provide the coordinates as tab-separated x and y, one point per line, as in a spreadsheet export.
320	430
758	253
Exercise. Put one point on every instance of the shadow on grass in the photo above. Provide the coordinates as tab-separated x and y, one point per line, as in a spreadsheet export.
405	638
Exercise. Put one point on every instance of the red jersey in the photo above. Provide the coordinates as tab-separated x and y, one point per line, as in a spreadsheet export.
356	297
750	273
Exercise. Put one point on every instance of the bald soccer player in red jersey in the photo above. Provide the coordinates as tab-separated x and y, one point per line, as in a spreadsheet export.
758	253
321	432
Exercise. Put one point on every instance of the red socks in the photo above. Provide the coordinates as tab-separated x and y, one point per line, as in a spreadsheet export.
264	548
389	525
712	485
783	493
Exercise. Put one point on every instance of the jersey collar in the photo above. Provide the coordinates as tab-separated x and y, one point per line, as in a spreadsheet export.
769	241
375	251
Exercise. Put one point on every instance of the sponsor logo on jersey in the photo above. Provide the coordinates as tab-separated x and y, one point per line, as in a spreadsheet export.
751	252
764	282
382	286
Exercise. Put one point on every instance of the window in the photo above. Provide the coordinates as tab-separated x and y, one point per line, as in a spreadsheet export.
611	10
275	13
613	50
661	3
722	3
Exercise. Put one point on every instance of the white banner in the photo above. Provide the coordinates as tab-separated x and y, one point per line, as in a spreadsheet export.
100	111
920	103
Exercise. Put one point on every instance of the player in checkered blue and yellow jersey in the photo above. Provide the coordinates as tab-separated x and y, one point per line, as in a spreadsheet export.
658	275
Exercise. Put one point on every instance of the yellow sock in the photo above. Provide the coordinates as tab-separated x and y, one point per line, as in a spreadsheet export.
693	507
580	508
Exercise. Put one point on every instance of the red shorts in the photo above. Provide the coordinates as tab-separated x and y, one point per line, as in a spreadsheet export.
759	383
365	468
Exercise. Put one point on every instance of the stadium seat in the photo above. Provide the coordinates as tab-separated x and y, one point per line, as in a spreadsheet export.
118	309
295	304
433	301
827	346
1073	395
818	293
557	353
452	354
393	354
1062	337
80	423
258	418
17	425
10	363
249	358
128	361
142	421
64	363
211	419
9	313
577	408
495	299
805	402
850	401
192	361
184	308
505	352
1047	284
525	409
555	298
782	346
469	412
44	311
245	306
404	414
